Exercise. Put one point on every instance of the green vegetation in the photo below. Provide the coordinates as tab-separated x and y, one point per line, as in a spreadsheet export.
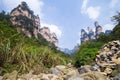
86	54
87	51
24	54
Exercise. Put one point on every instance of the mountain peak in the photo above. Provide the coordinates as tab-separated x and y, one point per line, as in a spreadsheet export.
29	24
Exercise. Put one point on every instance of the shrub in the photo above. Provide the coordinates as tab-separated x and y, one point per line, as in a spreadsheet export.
87	53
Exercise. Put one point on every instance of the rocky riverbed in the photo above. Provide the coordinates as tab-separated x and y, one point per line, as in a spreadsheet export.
59	72
107	67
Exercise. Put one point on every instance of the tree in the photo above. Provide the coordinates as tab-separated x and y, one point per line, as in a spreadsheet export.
116	32
116	29
116	18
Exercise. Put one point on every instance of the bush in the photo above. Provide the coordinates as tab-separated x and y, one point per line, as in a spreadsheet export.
87	53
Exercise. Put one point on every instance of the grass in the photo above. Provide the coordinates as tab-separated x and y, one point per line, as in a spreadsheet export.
26	54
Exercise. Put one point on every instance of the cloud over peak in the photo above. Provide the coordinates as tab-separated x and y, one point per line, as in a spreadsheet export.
53	28
92	12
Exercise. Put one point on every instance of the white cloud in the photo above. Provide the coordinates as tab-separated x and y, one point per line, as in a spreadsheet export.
92	12
84	5
35	5
108	27
53	28
113	3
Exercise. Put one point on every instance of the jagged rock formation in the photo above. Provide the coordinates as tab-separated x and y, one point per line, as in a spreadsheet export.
84	36
98	30
50	37
108	58
29	24
91	35
23	17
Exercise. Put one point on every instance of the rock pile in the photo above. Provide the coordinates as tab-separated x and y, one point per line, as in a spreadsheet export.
108	57
30	76
87	72
59	72
84	73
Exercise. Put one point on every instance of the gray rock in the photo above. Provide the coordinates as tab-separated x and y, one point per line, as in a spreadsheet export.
117	77
75	78
60	67
94	76
96	68
84	69
55	71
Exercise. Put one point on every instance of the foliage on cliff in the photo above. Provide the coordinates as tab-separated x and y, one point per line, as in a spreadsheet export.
24	54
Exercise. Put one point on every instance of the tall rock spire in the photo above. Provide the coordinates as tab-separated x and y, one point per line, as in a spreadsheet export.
91	35
25	20
98	30
84	36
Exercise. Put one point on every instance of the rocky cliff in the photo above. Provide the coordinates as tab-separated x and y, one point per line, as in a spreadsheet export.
29	24
25	19
50	37
91	35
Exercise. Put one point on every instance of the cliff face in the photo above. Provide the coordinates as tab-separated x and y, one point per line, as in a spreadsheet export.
29	24
50	37
98	30
91	35
84	36
23	17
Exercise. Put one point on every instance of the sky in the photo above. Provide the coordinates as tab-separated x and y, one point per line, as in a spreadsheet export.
67	17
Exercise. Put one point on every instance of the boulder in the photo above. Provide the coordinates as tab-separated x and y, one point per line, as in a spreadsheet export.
85	69
60	67
41	76
66	72
75	78
117	77
94	76
56	71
